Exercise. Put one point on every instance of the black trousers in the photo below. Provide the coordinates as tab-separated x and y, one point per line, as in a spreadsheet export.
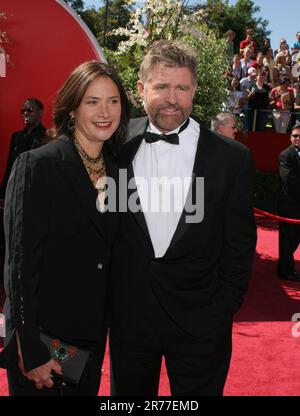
89	384
196	366
289	240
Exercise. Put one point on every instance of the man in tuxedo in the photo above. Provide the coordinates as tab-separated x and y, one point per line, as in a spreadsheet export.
31	137
181	262
289	206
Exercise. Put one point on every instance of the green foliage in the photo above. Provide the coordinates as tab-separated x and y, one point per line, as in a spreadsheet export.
127	65
212	83
118	16
92	19
77	5
220	16
169	19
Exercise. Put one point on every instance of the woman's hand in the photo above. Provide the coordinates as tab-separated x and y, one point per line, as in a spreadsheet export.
41	376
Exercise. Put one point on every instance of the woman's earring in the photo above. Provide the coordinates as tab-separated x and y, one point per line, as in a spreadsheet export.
71	123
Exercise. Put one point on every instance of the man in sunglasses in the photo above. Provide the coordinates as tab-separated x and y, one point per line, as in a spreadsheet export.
31	137
289	206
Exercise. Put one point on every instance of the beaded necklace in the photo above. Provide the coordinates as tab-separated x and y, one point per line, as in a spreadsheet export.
95	166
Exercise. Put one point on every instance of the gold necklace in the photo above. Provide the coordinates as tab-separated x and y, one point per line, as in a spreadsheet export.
100	170
83	153
95	167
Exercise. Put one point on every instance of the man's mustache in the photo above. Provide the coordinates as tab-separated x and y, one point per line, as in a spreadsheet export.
169	107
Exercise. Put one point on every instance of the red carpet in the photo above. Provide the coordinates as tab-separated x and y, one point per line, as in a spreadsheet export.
266	358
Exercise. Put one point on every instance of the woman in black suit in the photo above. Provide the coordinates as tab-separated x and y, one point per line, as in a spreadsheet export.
58	243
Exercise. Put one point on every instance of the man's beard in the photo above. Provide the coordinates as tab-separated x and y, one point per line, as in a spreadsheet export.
168	122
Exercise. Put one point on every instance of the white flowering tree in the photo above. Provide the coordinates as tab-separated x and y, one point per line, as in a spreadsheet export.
170	19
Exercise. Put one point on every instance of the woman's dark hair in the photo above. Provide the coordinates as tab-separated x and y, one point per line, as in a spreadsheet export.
71	93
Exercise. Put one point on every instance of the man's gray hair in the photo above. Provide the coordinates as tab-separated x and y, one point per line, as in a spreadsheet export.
169	53
221	119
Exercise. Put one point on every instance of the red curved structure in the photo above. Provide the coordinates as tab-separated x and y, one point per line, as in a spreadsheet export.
47	40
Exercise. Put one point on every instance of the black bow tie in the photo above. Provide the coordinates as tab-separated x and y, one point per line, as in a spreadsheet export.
169	138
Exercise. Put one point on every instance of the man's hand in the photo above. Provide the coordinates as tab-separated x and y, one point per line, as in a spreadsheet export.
41	376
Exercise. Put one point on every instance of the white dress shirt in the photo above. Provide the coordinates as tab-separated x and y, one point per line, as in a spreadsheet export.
160	169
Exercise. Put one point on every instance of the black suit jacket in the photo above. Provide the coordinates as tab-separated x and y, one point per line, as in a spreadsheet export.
58	252
202	278
21	142
289	173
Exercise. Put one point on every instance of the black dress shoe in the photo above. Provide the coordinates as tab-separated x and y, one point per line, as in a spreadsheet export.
294	276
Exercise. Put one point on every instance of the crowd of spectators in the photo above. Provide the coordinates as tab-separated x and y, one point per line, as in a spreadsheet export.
263	84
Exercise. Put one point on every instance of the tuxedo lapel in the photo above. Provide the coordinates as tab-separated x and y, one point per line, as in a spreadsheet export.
201	169
137	128
297	157
292	155
136	132
139	215
73	170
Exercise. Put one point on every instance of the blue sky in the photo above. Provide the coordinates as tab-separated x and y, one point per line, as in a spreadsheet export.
283	17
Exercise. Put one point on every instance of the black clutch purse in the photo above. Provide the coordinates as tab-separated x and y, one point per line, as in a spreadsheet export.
72	359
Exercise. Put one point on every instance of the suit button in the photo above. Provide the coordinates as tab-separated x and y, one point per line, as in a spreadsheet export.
99	266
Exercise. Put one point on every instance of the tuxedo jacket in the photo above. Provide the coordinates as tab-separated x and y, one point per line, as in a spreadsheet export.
203	276
289	173
22	142
57	252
